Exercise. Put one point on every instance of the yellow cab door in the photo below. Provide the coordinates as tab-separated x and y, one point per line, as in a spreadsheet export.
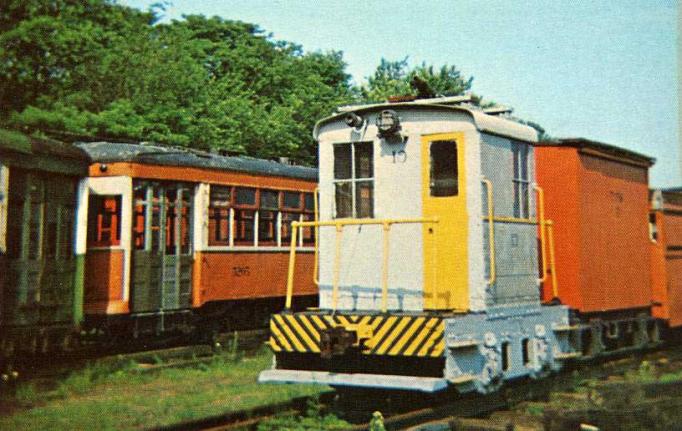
445	243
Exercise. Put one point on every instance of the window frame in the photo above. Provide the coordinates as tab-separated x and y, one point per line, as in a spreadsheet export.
354	180
432	166
521	207
279	240
96	227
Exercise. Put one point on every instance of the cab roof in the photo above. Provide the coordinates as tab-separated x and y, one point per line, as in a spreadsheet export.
484	122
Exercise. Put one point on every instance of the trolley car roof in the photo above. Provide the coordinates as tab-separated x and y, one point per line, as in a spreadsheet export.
111	152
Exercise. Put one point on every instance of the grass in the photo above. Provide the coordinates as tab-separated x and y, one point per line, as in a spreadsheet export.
312	420
103	398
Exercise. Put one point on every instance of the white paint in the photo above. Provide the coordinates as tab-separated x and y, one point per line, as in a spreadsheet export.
110	186
398	194
4	199
200	216
474	202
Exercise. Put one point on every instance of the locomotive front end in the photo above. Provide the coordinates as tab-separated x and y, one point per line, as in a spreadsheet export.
428	256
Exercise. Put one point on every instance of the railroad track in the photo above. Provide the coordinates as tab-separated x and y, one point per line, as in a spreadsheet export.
146	360
430	413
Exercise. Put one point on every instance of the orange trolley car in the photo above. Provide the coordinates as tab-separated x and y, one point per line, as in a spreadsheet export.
178	239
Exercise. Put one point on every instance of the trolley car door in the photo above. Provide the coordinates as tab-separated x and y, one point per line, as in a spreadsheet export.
162	261
41	266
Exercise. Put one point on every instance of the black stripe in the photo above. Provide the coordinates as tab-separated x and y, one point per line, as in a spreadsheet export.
324	323
284	334
381	342
413	336
433	329
381	325
305	328
435	343
397	339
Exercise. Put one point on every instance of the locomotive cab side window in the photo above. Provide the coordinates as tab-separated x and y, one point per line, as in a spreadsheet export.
444	175
354	180
520	181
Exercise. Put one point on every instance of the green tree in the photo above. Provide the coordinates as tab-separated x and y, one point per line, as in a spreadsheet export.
395	78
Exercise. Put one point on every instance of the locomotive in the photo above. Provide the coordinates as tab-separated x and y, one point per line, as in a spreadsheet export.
455	251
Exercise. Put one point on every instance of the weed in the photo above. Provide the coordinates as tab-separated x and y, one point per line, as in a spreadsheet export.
313	420
111	397
534	409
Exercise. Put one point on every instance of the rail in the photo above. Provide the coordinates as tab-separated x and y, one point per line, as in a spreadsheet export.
339	225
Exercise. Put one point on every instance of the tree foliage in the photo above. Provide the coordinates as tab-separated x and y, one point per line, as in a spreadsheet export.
97	68
395	78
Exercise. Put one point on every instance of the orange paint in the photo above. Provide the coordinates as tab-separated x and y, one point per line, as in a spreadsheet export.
199	175
104	282
557	172
599	204
666	261
221	276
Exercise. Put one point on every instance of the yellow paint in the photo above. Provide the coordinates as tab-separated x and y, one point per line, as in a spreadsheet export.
289	334
388	340
310	343
407	335
420	338
446	269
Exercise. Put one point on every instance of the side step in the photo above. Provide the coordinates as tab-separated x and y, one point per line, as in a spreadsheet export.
383	381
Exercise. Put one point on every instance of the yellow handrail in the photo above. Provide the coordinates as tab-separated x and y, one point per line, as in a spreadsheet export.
491	230
316	268
337	267
552	263
339	225
292	263
511	220
543	247
384	269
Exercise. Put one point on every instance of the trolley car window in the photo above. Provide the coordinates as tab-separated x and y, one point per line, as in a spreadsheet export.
267	216
444	175
103	221
354	180
245	196
309	203
292	200
219	215
269	199
235	218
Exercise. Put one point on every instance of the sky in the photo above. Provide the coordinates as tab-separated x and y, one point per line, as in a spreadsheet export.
602	70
